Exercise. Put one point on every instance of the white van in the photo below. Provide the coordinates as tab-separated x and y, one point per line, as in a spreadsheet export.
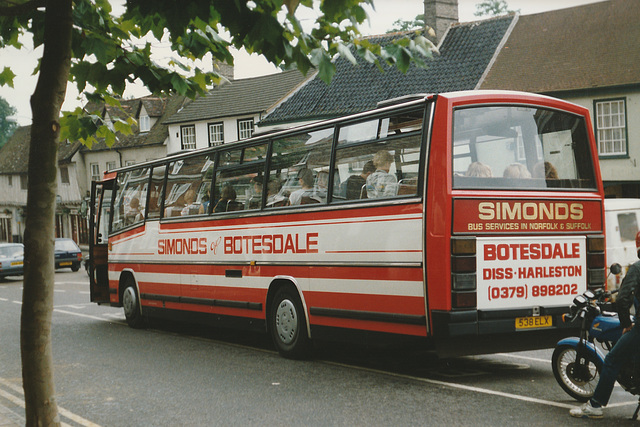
622	217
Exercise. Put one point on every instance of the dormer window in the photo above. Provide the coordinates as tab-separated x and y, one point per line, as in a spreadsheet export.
145	123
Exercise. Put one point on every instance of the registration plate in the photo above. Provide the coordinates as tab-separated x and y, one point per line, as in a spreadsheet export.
13	264
533	322
66	263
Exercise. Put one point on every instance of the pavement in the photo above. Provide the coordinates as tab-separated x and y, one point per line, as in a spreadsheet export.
9	418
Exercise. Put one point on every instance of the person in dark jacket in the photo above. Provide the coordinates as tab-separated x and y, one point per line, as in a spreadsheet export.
352	187
626	348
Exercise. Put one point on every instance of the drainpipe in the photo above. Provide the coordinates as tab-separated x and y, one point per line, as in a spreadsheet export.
120	156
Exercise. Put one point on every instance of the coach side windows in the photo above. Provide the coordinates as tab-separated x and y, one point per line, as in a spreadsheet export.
131	198
299	173
379	159
239	179
156	191
188	185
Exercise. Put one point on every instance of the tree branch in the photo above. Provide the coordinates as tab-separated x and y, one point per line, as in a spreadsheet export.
10	8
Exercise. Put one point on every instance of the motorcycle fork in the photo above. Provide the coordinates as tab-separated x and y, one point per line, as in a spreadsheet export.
582	350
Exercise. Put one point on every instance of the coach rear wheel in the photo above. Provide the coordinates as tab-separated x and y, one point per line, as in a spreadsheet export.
131	305
288	326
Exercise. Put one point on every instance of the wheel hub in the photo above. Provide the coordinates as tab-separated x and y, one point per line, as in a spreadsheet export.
129	301
579	372
286	321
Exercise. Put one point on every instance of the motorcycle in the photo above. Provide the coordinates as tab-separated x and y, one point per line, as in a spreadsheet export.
577	361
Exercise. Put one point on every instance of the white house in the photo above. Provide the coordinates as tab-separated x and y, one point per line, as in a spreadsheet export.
79	165
229	112
588	55
148	141
70	209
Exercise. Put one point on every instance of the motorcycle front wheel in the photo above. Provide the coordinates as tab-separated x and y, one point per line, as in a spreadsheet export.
577	380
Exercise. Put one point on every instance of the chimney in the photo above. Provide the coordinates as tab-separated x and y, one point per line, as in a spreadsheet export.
439	15
223	69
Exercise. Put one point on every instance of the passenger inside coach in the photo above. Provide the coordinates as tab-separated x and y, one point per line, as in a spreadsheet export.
176	208
322	185
545	170
516	171
135	213
204	207
275	197
479	169
256	196
381	183
227	199
305	194
190	208
352	187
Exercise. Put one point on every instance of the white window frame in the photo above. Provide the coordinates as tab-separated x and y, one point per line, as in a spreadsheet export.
144	122
188	137
216	134
64	175
245	129
95	171
111	166
611	127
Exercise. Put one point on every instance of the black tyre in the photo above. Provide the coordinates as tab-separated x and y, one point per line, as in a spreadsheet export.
577	380
131	304
75	267
288	326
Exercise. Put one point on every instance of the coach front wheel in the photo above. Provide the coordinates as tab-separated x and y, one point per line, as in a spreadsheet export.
287	325
131	305
578	380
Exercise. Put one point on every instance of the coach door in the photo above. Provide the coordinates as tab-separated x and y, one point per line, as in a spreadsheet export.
98	240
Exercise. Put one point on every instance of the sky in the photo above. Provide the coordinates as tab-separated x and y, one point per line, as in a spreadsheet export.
380	21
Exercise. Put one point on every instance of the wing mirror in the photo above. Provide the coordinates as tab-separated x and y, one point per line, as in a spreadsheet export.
615	268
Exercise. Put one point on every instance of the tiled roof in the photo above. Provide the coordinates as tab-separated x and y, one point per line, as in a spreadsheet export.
240	97
465	53
153	105
595	45
162	108
14	155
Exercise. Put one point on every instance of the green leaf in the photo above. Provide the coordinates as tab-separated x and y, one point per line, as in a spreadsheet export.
201	80
110	138
110	100
367	55
179	84
6	77
326	70
123	127
403	59
345	52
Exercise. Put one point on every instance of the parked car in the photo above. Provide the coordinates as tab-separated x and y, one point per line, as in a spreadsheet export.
68	254
11	259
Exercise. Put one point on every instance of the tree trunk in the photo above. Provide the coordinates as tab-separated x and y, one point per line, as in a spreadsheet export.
37	298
